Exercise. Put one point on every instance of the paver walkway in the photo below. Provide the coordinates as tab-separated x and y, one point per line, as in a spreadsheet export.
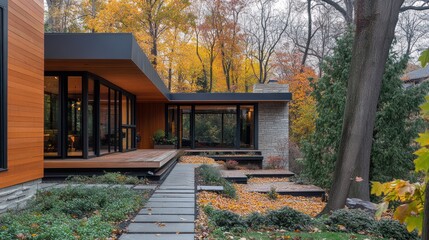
170	212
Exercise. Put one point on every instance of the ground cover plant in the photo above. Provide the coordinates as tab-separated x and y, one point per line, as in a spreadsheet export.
73	212
287	223
107	178
209	175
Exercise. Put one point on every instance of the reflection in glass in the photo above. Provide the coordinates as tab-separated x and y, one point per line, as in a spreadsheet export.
124	110
215	126
91	112
247	126
113	135
104	119
185	127
171	121
74	116
51	115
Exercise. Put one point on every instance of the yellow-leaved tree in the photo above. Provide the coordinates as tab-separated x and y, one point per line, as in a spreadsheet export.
414	197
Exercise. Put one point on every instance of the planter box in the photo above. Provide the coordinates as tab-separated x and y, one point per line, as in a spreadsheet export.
164	146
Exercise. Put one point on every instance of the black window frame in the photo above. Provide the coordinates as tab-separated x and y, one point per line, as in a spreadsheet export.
192	127
3	86
63	75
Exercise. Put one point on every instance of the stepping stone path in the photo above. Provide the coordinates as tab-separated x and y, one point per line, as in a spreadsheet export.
170	212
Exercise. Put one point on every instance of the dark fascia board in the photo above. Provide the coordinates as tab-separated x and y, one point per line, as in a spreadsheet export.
230	97
99	46
123	46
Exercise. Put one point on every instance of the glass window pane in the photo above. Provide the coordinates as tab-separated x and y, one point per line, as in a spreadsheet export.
51	115
113	129
91	114
215	126
124	110
247	126
129	109
171	120
185	127
74	116
104	119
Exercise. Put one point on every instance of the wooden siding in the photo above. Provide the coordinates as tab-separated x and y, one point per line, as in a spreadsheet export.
25	92
150	117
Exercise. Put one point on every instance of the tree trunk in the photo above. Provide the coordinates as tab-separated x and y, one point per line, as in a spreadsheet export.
425	234
375	25
360	187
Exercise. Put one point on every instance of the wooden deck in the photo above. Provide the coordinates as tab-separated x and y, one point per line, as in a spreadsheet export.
142	158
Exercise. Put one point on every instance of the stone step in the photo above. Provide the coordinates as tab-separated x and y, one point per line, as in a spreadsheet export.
169	204
165	218
177	187
161	228
168	211
172	195
157	237
175	191
172	199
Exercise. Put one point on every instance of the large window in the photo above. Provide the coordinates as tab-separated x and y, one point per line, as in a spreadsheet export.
212	126
3	85
86	116
215	126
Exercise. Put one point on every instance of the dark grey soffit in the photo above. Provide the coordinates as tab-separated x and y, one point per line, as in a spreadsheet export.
99	46
230	97
123	46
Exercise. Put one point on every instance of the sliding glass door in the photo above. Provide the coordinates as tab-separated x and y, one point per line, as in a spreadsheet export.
86	116
212	126
52	116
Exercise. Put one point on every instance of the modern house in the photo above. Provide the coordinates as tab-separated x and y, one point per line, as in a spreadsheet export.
77	103
415	77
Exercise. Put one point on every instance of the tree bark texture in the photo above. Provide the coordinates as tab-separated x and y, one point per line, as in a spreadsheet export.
375	25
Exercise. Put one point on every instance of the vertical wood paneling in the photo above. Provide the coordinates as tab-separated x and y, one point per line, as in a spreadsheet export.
150	117
25	92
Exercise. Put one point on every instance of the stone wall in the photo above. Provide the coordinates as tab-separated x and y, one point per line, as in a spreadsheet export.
273	124
16	197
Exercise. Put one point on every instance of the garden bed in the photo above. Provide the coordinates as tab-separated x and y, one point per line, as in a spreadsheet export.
252	215
74	212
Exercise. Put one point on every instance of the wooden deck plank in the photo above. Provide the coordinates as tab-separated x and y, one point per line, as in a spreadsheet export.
142	158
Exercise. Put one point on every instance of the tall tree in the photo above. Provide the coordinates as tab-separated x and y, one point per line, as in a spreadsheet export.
227	15
375	25
265	29
347	7
63	16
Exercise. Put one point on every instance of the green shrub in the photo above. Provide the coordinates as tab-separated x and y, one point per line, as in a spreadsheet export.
272	194
225	219
288	219
256	221
392	229
350	220
107	178
211	176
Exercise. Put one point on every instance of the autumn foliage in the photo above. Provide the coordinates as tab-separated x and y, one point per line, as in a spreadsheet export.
302	108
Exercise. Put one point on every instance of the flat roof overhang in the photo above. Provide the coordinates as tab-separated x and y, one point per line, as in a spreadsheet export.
114	56
229	97
118	58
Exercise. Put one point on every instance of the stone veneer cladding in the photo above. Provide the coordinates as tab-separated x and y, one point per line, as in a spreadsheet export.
16	197
273	123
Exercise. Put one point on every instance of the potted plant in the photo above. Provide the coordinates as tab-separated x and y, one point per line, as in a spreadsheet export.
160	141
